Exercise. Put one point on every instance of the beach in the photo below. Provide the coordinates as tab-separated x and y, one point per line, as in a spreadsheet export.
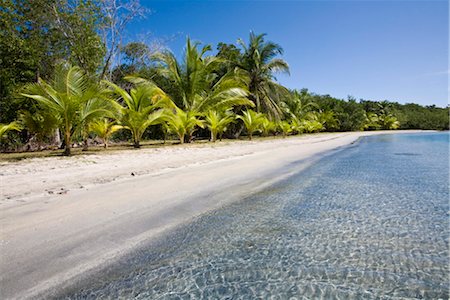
65	217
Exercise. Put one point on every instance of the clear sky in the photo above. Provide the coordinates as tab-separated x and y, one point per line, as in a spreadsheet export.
375	50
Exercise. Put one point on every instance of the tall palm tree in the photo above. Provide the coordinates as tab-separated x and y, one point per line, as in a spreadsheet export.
142	107
252	121
196	85
259	63
71	97
217	122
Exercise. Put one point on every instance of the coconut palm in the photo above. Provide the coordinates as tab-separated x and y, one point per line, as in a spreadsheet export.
372	121
66	96
328	120
296	125
252	121
217	122
183	123
298	104
311	126
104	128
41	124
4	128
285	127
195	85
259	62
267	126
140	108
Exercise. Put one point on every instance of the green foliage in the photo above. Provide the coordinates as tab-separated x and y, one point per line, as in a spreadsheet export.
286	128
195	85
217	122
252	120
41	124
259	62
4	128
298	104
71	98
104	128
35	35
183	123
141	107
267	126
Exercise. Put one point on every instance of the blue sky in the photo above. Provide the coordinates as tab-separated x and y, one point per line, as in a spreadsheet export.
377	50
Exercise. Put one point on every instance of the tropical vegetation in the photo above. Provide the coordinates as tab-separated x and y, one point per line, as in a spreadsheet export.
67	80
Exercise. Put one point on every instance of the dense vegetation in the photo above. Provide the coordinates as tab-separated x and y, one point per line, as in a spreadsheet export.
65	78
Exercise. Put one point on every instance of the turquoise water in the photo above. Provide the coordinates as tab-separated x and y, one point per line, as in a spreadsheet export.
371	221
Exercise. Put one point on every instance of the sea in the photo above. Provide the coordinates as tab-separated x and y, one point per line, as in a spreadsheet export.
370	221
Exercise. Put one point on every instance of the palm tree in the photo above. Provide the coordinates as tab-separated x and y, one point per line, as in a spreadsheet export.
183	123
267	126
4	128
142	107
259	63
252	121
328	120
298	104
217	122
104	129
372	121
66	96
195	84
41	124
285	127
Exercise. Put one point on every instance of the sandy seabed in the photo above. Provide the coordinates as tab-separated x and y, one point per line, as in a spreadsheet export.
62	217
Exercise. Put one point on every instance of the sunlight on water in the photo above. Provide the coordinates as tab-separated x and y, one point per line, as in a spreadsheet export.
368	222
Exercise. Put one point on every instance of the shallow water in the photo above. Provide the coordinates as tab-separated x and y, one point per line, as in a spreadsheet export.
371	221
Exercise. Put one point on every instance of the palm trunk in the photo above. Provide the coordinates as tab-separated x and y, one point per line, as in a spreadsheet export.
136	144
68	144
213	136
105	143
239	131
85	144
249	136
181	136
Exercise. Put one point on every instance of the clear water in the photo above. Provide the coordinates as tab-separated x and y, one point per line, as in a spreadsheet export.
369	222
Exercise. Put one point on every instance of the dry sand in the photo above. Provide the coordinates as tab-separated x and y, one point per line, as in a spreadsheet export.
64	217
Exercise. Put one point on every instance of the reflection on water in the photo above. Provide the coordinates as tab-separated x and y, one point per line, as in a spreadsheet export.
364	223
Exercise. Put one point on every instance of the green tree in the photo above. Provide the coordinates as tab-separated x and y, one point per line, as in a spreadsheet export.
65	97
41	124
252	121
285	127
104	128
141	107
267	126
4	128
35	35
217	122
298	104
183	123
195	85
259	63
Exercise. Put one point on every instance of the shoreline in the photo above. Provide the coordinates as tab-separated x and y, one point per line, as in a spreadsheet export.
49	239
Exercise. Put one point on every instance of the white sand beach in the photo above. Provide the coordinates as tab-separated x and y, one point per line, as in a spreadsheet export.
62	217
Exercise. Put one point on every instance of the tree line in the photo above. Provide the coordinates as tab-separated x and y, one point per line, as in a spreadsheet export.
66	78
